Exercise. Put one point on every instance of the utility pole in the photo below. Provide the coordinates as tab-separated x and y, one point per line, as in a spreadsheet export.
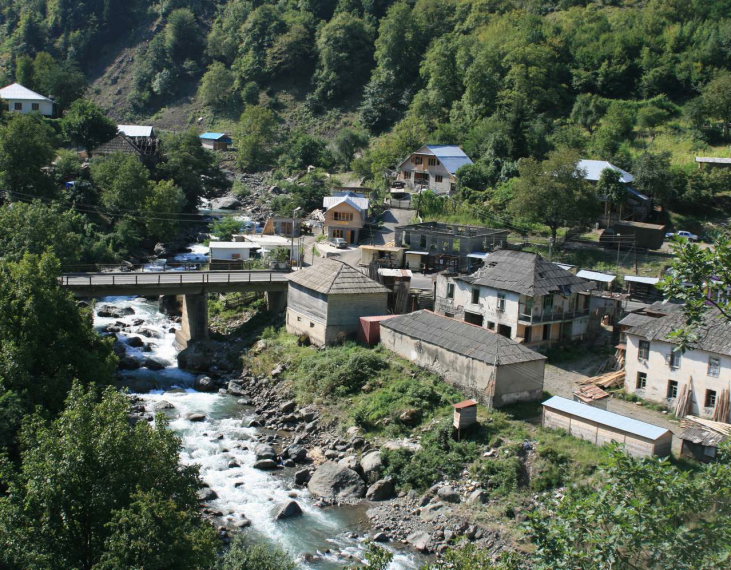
291	249
550	249
619	244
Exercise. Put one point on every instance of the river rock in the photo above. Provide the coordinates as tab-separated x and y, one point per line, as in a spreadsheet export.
448	495
296	453
235	388
351	462
291	509
154	364
380	537
196	357
381	490
204	384
332	480
372	464
135	342
265	451
478	496
195	417
150	333
265	464
225	203
419	540
111	312
128	363
302	477
207	494
162	405
288	407
243	522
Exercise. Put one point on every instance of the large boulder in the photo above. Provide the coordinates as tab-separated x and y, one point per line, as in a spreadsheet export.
225	203
296	453
204	384
419	540
381	490
372	465
448	494
112	312
195	417
154	364
331	480
289	510
128	363
265	451
197	357
302	476
265	464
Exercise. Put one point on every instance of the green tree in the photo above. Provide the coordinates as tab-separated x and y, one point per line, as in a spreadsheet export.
303	150
46	340
554	192
650	117
86	125
588	110
257	138
217	86
124	182
93	486
653	176
717	99
347	142
225	228
26	146
64	82
638	514
182	35
245	556
611	189
163	210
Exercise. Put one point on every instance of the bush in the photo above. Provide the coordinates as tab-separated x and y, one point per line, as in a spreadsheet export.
244	556
500	475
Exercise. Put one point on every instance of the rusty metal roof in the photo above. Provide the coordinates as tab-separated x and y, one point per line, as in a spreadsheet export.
464	404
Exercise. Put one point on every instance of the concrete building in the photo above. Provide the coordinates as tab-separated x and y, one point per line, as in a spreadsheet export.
656	370
230	255
486	366
267	244
435	245
433	167
601	427
345	215
19	99
519	295
326	301
216	141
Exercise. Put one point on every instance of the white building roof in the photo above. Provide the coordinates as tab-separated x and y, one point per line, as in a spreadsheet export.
638	279
267	241
603	417
233	245
136	130
713	160
388	272
17	91
355	200
596	276
594	169
478	255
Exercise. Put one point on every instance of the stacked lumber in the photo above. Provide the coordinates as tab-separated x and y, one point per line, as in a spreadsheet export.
684	400
721	427
608	380
720	414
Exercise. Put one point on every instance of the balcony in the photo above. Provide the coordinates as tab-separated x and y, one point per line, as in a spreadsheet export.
558	316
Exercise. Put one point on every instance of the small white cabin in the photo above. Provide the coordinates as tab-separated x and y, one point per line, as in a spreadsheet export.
19	99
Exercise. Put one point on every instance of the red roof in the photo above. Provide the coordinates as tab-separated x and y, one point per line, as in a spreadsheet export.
465	404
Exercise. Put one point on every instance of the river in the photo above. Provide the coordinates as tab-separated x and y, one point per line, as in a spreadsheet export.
220	445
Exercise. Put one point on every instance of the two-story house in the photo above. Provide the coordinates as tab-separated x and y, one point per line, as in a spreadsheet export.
433	167
345	215
519	295
656	370
19	99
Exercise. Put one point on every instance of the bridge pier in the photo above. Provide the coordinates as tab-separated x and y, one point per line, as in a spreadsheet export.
276	301
194	321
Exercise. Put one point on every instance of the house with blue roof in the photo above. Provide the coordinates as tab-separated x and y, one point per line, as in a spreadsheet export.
433	167
216	141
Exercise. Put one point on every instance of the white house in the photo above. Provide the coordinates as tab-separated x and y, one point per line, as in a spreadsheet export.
433	167
519	295
20	99
266	244
230	254
656	370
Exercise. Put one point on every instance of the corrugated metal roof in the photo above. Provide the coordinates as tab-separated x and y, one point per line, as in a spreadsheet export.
461	338
214	136
136	130
713	160
609	419
594	169
464	404
451	156
596	276
332	277
17	91
639	279
526	273
388	272
233	245
356	201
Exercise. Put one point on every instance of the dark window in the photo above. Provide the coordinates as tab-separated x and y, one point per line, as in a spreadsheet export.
433	162
490	325
417	160
422	240
35	106
644	350
18	106
527	334
407	175
710	398
475	295
546	332
641	380
450	290
473	318
672	389
407	237
438	178
675	359
714	366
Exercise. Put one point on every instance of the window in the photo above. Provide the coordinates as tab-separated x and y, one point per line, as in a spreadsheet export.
18	106
641	380
547	303
343	216
475	295
644	350
501	302
35	106
338	234
407	238
546	332
432	162
674	360
450	290
672	389
422	240
437	178
710	398
235	256
418	160
299	319
491	325
714	366
407	175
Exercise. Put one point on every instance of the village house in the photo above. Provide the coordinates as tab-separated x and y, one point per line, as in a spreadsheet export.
282	225
697	381
701	438
230	255
19	99
436	245
601	427
139	140
265	245
216	141
325	301
486	366
345	215
521	296
432	167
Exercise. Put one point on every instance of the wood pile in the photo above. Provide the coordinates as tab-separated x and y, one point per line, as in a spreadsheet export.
720	414
608	380
721	427
684	400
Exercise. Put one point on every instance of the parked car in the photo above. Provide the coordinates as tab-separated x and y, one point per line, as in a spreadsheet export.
340	243
682	233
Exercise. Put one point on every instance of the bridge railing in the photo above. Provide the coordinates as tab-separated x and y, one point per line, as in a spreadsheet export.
166	278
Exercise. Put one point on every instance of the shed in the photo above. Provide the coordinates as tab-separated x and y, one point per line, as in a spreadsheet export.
386	255
644	288
370	329
216	141
602	280
700	437
593	395
230	255
416	259
491	368
601	427
19	99
465	414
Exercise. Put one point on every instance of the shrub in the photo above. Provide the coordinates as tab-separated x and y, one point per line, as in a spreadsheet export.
501	475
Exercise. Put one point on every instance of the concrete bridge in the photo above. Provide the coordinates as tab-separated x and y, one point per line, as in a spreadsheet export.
192	286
